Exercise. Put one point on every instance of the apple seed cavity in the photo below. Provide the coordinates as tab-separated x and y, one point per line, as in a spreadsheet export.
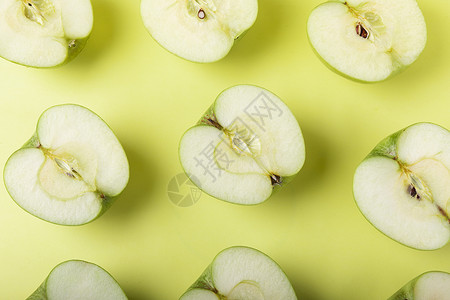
243	142
38	10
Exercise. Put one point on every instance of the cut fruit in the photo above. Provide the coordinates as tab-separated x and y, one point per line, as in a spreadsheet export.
403	186
198	30
245	145
76	280
70	170
367	40
428	286
44	33
241	273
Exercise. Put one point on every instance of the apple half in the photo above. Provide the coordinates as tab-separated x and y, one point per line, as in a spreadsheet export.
76	279
247	144
367	40
241	273
69	172
44	33
430	285
403	186
198	30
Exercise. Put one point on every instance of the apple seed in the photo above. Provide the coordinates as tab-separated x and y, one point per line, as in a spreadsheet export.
361	31
68	170
201	14
413	192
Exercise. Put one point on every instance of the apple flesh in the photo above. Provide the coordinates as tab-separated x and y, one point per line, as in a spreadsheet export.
246	145
370	40
70	170
198	30
76	279
44	33
430	285
241	273
403	186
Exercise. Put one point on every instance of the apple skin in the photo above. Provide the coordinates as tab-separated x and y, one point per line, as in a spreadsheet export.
206	281
330	67
346	76
236	40
387	148
41	294
407	291
72	53
33	142
210	113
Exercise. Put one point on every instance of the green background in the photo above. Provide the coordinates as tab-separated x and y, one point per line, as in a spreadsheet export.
312	227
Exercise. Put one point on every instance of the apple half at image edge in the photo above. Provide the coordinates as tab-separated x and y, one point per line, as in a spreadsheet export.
44	33
403	186
71	169
367	41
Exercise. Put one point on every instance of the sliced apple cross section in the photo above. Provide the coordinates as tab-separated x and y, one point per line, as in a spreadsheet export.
367	40
198	30
44	33
241	273
428	286
76	279
70	170
403	186
247	144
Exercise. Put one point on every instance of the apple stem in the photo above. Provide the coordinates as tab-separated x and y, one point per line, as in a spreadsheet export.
214	123
275	179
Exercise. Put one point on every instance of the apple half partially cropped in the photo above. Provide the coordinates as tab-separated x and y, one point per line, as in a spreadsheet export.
44	33
241	273
198	30
247	144
367	40
76	279
403	186
428	286
70	170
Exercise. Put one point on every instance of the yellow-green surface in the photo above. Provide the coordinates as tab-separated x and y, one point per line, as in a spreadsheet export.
312	227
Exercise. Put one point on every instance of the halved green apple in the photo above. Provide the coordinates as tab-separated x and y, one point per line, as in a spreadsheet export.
403	186
76	280
241	273
367	40
70	170
428	286
247	144
198	30
44	33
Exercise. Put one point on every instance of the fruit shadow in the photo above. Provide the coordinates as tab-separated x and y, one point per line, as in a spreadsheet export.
310	176
430	61
273	17
141	182
103	33
304	292
133	294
